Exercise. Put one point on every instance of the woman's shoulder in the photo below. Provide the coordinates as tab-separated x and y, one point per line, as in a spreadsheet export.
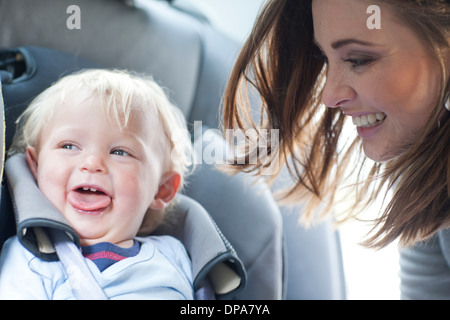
444	242
425	268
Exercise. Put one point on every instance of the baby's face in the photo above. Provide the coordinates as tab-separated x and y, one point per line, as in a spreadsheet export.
101	178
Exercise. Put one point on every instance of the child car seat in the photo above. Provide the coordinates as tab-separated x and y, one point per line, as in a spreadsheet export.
214	261
192	59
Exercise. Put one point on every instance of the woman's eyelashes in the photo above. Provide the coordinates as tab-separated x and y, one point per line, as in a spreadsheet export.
354	62
358	62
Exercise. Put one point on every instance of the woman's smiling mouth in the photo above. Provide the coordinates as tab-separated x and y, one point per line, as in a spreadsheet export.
368	120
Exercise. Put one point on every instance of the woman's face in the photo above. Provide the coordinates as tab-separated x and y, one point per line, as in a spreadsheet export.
384	78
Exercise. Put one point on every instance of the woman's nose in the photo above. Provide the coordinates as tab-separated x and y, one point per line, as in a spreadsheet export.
94	163
337	91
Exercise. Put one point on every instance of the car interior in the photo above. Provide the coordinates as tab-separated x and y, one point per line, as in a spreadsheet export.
241	241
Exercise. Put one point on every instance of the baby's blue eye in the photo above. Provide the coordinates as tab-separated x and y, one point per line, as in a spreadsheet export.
68	146
120	152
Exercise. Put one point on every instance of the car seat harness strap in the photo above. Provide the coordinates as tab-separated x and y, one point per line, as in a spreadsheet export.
83	283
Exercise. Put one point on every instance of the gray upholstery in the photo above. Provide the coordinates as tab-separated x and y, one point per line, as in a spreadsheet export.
191	59
160	40
313	259
246	213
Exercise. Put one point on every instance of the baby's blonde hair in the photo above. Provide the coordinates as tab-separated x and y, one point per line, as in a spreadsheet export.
120	92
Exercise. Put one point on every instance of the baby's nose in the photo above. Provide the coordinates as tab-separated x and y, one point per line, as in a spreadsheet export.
94	163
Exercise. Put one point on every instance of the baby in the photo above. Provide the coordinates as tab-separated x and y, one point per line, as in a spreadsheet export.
99	146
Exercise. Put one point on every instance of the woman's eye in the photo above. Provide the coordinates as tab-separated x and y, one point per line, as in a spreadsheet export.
358	62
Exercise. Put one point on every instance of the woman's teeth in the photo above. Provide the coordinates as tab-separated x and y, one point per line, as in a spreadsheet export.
369	120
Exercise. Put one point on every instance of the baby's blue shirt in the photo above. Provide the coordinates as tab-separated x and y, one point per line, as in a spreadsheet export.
161	270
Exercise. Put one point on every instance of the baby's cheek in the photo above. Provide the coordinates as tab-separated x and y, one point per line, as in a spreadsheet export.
132	190
53	184
55	194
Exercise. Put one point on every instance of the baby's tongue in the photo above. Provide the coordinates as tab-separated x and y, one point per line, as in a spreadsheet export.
88	200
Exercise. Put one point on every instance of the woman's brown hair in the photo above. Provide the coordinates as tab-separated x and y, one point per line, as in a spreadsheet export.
281	62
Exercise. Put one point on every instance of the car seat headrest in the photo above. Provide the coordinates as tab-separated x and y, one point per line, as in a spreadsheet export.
27	71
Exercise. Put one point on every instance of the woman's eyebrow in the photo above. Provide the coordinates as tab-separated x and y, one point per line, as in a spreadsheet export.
341	43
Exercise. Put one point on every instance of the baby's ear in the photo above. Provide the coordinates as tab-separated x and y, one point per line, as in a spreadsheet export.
31	157
170	182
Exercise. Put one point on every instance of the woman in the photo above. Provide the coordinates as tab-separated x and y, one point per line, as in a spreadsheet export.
318	65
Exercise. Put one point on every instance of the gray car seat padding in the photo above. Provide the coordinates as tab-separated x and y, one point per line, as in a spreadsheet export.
246	212
211	254
41	67
156	40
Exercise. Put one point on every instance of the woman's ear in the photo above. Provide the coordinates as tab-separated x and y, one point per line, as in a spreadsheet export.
31	157
168	188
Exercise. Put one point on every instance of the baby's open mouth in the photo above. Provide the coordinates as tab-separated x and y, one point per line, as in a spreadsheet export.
89	199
